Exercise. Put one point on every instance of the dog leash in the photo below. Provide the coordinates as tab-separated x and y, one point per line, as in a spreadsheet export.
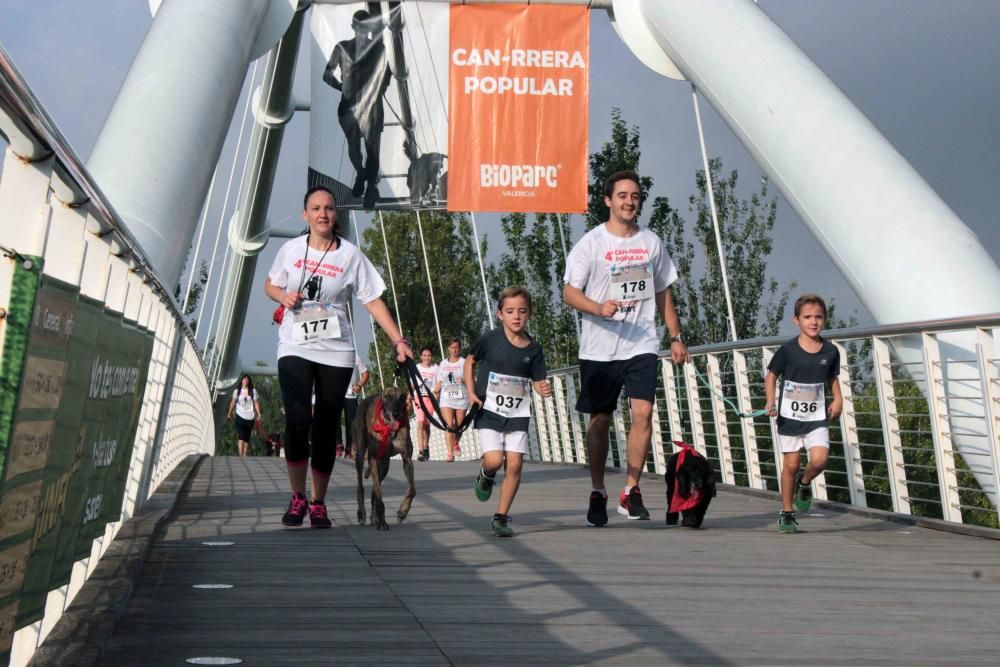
732	406
413	384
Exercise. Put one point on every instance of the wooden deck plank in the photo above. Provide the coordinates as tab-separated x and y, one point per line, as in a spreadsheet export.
439	589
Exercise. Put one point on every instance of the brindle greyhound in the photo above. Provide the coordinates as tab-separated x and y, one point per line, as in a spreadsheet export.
380	430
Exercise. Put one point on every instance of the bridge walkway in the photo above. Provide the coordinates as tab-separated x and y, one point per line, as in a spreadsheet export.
439	589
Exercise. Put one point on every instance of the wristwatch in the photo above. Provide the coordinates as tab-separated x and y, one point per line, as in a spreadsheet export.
676	339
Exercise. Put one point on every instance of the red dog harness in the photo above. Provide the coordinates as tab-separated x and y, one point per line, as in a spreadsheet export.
384	430
679	503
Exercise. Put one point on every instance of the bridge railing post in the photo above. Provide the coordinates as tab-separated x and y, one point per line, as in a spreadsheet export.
720	420
989	374
747	428
849	433
768	354
888	409
944	452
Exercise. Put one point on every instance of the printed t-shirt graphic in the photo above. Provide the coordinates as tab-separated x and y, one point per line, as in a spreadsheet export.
628	269
450	375
244	402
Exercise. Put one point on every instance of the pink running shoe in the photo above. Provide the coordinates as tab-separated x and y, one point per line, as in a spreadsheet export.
318	517
296	511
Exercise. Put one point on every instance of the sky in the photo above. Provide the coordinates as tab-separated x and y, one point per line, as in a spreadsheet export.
925	72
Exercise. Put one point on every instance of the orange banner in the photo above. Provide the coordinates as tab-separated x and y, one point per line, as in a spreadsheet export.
518	80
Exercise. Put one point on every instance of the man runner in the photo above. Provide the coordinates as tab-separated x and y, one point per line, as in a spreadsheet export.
617	275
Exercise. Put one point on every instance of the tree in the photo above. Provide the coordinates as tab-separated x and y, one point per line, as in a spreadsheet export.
454	270
745	227
534	259
619	153
195	293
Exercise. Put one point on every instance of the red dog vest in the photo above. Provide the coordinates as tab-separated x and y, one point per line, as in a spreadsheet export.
679	503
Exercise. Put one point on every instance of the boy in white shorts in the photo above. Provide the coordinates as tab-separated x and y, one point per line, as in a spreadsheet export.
808	366
509	360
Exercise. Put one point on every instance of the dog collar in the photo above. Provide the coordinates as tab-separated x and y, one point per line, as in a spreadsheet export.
383	429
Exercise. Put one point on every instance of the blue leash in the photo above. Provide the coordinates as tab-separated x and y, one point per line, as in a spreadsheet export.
732	406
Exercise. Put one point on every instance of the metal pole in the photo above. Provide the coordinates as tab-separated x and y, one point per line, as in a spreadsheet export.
482	272
715	216
430	284
222	216
378	357
197	245
392	281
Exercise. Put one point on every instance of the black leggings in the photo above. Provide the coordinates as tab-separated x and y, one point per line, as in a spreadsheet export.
298	378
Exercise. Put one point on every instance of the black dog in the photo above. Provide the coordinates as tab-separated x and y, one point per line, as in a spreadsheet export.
381	430
690	486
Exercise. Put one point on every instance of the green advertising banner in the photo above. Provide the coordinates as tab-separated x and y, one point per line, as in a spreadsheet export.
17	325
67	441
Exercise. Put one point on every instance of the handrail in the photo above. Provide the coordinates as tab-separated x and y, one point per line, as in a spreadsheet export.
902	328
27	113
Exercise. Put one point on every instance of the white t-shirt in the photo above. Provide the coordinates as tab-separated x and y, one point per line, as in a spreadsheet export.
451	376
344	270
244	402
359	368
429	375
604	266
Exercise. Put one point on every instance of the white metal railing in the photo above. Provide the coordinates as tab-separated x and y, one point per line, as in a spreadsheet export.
51	208
919	433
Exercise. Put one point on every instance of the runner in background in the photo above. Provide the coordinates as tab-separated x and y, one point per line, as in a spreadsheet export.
358	380
428	373
453	398
246	405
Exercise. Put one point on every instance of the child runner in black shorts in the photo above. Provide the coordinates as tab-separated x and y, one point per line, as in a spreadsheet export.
508	359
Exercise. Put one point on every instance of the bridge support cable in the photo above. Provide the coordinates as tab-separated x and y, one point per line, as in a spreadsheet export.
222	215
241	221
482	272
392	280
197	246
371	320
430	285
562	242
715	216
273	107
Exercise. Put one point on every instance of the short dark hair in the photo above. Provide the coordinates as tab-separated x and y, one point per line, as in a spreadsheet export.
427	348
511	292
318	188
454	340
807	299
623	175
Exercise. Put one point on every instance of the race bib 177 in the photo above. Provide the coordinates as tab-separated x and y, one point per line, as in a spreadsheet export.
315	321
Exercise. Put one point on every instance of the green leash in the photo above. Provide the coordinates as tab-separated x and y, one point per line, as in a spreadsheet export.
732	406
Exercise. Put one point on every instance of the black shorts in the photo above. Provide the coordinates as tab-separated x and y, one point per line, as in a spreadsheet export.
601	382
243	428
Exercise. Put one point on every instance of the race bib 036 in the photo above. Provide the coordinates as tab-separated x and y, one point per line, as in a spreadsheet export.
803	402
